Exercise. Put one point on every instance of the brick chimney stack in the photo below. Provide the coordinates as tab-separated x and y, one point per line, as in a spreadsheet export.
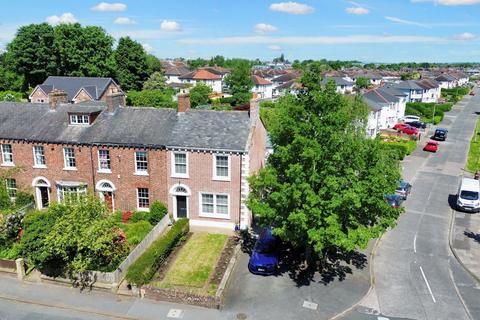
57	97
115	100
183	102
254	111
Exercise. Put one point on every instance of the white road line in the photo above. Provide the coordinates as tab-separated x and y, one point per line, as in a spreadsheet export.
428	285
415	244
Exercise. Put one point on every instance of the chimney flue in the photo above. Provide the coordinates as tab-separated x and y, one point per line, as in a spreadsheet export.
57	97
115	100
183	102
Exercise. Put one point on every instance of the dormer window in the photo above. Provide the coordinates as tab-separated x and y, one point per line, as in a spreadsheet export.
79	119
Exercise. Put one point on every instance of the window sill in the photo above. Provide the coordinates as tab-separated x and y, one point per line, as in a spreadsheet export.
8	164
141	173
182	176
39	167
227	179
214	216
143	209
70	169
104	171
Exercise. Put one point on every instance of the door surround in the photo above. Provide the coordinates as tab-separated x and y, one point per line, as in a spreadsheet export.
180	190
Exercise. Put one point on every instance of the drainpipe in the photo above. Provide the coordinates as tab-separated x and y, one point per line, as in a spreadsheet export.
240	201
93	168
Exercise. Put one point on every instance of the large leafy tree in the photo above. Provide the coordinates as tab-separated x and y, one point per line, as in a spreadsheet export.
240	82
83	51
324	186
154	64
156	81
200	94
131	61
32	53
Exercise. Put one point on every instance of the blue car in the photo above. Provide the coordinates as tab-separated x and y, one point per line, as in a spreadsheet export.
264	258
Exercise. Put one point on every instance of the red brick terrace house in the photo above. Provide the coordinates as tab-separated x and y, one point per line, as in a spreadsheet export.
195	161
78	89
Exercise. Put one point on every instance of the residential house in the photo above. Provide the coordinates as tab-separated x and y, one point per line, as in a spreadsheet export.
431	90
211	76
392	107
343	86
446	81
285	82
262	88
78	89
413	91
172	73
197	162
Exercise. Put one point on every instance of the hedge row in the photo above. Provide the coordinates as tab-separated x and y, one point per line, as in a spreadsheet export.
425	110
401	149
143	270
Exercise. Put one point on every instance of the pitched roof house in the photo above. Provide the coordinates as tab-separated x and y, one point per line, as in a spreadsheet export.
78	89
211	76
262	87
392	107
343	86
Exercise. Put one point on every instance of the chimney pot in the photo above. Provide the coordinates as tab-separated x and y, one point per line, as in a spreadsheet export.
57	97
183	102
115	100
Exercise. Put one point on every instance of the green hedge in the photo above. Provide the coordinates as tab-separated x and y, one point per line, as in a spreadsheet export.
401	149
143	270
425	110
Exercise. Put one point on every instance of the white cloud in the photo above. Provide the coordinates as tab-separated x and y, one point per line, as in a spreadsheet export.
147	47
313	40
407	22
67	17
465	36
357	10
110	7
124	20
170	25
292	7
274	47
450	2
263	28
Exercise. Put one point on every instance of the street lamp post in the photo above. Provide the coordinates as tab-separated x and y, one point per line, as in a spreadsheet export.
433	116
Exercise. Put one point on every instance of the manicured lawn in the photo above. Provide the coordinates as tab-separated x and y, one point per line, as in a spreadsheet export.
473	161
195	262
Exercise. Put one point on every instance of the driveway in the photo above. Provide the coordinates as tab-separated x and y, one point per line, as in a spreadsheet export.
416	274
290	295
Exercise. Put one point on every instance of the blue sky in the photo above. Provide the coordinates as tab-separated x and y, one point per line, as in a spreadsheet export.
368	30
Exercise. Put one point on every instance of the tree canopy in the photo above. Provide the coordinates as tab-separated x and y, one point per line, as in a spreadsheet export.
131	61
324	186
240	82
199	95
156	81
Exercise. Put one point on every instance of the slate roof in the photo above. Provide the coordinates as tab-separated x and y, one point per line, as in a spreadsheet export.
409	85
445	77
428	84
373	105
287	77
380	97
176	70
393	91
130	126
72	85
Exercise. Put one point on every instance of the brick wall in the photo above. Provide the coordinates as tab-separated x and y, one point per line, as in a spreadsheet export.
112	87
200	167
38	95
82	96
122	176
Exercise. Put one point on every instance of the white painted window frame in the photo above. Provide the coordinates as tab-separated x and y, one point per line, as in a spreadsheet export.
174	174
137	190
66	165
108	159
35	162
217	177
213	215
140	172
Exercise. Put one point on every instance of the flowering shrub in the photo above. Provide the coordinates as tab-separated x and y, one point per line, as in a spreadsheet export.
126	216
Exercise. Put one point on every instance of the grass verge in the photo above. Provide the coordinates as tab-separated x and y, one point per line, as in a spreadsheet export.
473	160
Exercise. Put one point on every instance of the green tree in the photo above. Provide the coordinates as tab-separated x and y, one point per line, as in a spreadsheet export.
324	186
156	81
32	53
199	95
131	61
151	98
197	63
240	82
362	82
154	64
217	61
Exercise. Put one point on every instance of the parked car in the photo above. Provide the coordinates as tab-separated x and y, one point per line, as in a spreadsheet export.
394	200
405	128
410	118
403	189
418	124
431	146
264	258
440	134
468	196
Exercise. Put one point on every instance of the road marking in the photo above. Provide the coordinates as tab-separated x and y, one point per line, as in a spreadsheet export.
310	305
428	285
415	243
175	313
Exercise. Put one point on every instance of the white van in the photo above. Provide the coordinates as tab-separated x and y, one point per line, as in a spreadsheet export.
468	198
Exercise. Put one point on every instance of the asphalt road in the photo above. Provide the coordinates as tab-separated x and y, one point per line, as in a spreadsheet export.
416	274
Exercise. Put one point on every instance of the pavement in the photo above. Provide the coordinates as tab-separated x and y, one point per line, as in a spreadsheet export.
415	272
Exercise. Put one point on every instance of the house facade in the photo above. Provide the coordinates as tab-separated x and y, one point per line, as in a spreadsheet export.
131	157
342	85
262	87
388	108
211	76
78	89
